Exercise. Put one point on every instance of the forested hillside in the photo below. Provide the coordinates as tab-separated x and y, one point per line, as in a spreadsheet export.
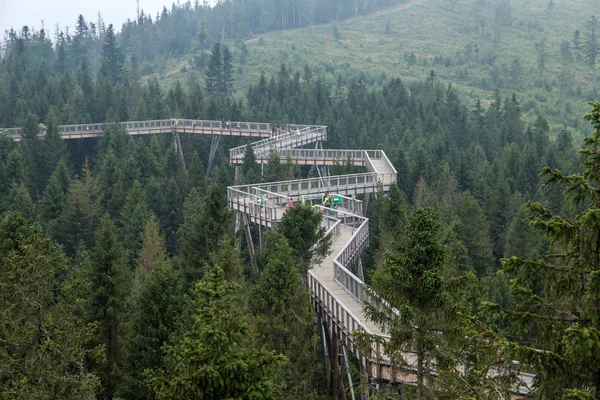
120	270
538	49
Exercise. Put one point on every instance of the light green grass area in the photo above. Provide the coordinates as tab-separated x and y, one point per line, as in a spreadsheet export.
429	29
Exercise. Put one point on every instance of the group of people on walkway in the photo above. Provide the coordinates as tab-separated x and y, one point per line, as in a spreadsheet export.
228	125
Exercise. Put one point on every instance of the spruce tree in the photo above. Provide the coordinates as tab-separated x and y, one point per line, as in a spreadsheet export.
284	318
153	251
79	218
590	45
43	341
113	58
429	316
473	230
155	312
274	170
110	283
196	174
213	359
250	170
302	228
133	220
214	71
557	315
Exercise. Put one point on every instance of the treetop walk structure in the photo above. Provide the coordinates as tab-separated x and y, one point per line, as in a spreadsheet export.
198	127
337	286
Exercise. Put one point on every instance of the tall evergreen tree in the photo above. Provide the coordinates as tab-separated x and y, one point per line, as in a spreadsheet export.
214	71
153	251
133	220
412	283
155	311
284	319
42	341
250	170
590	45
110	281
302	228
113	58
558	313
212	359
79	218
219	72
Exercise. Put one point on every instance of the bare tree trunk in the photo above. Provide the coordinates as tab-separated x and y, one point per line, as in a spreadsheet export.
420	372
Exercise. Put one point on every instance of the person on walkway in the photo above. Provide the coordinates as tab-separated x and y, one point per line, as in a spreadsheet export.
238	126
223	123
289	206
193	124
325	202
228	125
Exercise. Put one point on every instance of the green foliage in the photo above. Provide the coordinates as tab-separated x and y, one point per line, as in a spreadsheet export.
155	311
133	220
302	228
274	170
152	253
284	317
112	57
42	345
560	293
212	360
79	218
219	79
250	170
474	232
428	313
204	224
110	283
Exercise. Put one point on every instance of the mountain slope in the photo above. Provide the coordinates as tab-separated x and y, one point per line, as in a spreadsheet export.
476	45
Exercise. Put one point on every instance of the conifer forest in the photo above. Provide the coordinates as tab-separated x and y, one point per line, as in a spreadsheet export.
128	273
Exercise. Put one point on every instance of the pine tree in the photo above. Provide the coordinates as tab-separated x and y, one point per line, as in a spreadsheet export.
133	220
219	72
55	195
43	341
250	170
392	219
474	231
155	311
212	359
79	218
113	58
214	71
558	311
19	200
284	319
227	74
576	50
428	310
110	282
190	236
274	170
302	228
153	251
196	174
590	45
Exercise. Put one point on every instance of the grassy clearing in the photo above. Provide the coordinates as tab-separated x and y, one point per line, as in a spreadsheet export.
440	39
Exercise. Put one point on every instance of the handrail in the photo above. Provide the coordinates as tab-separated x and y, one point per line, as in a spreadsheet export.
261	148
156	126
